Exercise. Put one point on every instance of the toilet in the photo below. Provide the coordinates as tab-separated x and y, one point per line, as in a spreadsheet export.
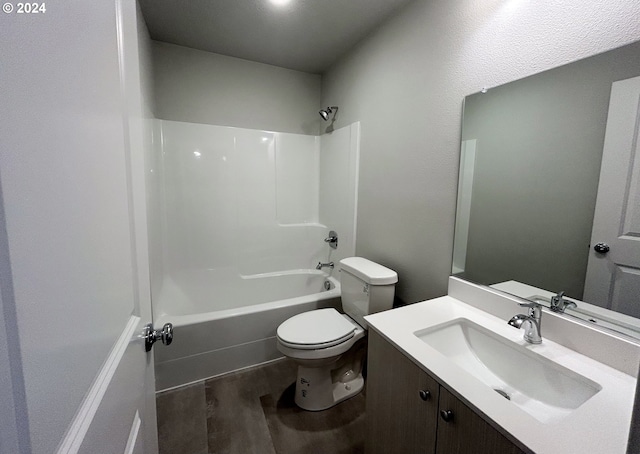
328	346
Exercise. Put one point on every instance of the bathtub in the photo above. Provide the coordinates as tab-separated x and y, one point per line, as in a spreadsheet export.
224	321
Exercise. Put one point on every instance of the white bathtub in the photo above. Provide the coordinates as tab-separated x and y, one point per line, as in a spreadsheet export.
224	321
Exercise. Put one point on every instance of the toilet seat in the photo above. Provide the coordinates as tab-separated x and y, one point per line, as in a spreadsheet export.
321	328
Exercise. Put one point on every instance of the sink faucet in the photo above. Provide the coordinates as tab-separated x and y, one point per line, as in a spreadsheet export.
321	265
530	323
559	304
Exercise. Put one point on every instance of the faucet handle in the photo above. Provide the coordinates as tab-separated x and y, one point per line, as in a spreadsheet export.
535	309
559	304
332	239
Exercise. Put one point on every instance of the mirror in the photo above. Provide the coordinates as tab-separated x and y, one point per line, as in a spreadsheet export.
547	170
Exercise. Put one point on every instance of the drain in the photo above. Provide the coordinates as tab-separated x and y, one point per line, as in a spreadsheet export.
502	393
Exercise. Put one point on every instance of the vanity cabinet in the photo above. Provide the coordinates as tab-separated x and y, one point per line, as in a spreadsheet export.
467	432
402	402
409	412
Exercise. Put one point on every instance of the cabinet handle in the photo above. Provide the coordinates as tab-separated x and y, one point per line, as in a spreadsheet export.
424	394
446	415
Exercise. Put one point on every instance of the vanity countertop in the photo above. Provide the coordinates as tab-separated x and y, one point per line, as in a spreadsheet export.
600	425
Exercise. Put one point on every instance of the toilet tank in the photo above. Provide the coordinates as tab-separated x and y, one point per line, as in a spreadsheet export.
367	287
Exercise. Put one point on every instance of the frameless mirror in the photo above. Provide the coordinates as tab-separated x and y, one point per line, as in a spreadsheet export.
549	189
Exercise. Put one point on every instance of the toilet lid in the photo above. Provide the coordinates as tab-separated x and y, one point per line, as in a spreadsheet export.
316	329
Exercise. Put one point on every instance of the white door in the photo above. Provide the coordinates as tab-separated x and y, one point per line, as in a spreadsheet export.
74	284
613	276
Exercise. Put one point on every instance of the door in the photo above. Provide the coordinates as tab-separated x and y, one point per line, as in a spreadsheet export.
402	402
613	274
462	431
463	206
74	284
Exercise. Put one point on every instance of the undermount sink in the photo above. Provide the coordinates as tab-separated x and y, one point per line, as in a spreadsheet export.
539	386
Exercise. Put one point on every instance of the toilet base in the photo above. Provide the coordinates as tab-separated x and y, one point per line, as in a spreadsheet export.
316	391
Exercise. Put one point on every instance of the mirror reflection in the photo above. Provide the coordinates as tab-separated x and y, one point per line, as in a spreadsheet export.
549	189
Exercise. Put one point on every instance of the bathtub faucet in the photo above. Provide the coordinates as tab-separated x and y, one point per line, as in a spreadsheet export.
321	265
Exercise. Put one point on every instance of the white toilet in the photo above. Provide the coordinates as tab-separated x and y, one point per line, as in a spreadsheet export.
321	341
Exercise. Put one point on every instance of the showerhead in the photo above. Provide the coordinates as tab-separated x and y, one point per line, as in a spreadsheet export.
324	113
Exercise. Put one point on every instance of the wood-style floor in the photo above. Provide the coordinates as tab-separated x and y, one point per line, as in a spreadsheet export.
253	412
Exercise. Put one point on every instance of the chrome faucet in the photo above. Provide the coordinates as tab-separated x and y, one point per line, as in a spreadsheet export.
559	304
530	323
321	265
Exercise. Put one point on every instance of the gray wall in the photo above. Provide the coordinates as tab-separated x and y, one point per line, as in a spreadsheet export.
406	83
202	87
539	148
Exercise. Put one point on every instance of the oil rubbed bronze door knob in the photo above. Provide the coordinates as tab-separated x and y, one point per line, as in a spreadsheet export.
424	394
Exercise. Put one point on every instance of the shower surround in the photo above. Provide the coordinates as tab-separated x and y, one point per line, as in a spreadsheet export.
240	218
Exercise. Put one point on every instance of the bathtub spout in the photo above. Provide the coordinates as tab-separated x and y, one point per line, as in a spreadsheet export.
321	265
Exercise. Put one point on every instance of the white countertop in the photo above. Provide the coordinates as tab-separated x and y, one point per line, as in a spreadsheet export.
600	425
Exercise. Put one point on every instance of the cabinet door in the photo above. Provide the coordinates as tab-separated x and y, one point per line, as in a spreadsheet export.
467	433
402	403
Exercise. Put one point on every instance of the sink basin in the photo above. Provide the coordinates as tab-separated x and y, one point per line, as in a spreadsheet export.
539	386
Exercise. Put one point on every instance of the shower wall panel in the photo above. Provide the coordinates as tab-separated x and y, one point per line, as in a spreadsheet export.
241	199
297	164
200	208
339	164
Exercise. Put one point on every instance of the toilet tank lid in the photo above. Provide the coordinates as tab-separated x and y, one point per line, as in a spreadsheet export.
370	272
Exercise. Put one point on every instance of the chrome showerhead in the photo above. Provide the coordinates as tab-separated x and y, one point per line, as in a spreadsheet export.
324	113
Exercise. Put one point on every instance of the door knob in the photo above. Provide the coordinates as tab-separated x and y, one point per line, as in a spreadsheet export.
151	335
424	394
601	248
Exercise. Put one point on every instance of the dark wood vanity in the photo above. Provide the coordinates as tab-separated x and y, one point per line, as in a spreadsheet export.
410	412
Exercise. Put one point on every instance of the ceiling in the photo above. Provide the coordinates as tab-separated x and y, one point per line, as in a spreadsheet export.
305	35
